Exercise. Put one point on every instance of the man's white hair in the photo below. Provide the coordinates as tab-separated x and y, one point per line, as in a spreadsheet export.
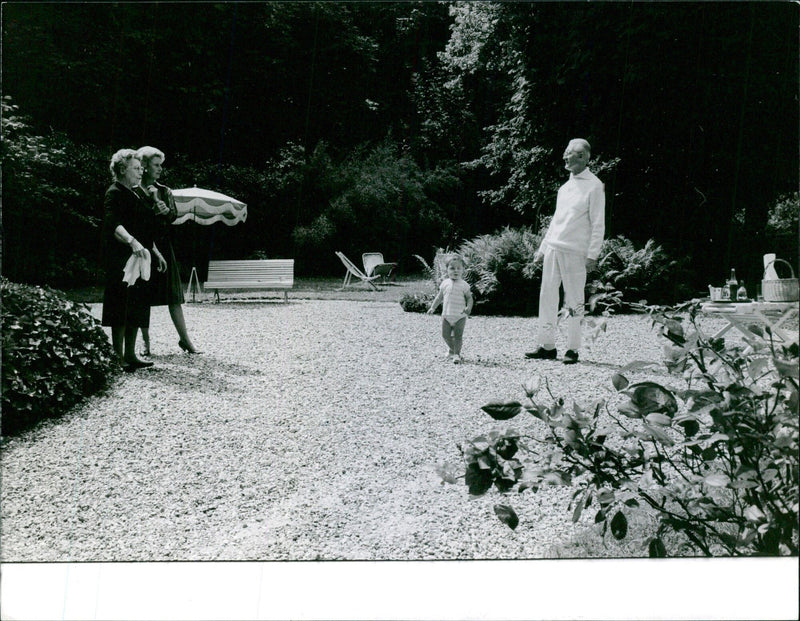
584	144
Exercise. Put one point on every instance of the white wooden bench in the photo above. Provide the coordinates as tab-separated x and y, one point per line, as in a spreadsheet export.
254	274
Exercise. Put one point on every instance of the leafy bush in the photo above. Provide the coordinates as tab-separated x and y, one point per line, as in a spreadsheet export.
54	355
603	299
52	203
644	274
505	280
501	268
784	215
416	302
420	302
377	198
717	463
437	271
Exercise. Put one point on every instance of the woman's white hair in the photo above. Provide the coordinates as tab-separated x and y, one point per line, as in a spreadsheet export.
120	162
147	153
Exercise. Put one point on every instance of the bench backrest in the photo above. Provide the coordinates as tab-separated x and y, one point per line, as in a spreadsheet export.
255	271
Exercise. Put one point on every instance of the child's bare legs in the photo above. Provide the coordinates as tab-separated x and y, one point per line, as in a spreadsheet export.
453	335
176	312
447	335
457	335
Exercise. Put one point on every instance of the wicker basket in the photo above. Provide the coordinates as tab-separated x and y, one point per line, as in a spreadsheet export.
782	289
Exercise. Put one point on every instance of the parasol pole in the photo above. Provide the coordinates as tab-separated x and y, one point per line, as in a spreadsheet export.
194	281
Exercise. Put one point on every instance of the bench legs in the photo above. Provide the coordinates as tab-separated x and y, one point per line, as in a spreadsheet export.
216	296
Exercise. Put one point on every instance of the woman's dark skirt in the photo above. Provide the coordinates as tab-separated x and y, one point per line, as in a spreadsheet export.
166	287
124	305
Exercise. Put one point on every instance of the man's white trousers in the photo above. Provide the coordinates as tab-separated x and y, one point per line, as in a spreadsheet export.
567	269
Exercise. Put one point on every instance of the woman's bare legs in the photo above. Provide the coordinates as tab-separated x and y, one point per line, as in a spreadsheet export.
146	339
118	340
176	312
129	354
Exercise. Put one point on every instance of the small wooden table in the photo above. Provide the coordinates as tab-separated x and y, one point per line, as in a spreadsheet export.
780	317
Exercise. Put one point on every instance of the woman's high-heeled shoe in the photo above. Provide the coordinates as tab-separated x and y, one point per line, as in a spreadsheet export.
189	350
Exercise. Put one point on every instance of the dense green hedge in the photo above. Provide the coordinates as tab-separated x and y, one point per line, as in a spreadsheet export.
54	355
506	281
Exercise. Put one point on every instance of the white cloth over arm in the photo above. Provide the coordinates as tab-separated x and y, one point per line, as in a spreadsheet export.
137	267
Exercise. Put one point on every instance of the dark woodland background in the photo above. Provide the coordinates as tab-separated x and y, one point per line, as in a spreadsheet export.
401	127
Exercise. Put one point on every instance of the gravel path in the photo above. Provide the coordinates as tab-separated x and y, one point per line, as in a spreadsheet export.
305	431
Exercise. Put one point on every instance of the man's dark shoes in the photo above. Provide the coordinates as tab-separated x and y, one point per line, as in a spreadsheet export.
571	357
542	354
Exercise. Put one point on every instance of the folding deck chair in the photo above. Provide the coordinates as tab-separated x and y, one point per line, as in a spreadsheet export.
352	270
374	265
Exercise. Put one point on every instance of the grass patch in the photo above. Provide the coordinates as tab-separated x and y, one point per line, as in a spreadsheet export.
304	288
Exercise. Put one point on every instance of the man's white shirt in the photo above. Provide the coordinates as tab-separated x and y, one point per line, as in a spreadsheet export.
578	224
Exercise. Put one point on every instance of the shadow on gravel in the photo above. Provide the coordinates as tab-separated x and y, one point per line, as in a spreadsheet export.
489	364
206	362
654	370
208	375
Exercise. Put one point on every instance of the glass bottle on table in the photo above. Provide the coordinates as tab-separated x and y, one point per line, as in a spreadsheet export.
741	293
731	286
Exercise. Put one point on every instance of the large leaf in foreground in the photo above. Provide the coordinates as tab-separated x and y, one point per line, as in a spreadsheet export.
620	381
502	410
447	473
507	515
786	368
478	480
656	548
619	525
650	397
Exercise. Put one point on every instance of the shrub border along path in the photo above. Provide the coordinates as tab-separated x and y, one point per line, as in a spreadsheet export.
305	431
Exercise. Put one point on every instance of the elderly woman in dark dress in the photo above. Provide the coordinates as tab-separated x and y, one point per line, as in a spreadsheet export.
128	230
166	287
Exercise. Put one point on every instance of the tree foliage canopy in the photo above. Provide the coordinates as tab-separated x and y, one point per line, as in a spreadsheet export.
691	109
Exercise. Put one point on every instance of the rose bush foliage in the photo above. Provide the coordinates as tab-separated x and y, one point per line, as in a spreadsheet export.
715	461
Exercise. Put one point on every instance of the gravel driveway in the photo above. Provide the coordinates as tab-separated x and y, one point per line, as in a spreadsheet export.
305	431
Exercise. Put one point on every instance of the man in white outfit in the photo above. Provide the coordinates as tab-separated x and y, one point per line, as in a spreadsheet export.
569	251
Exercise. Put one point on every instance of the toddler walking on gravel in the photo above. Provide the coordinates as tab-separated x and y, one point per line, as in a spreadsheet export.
456	299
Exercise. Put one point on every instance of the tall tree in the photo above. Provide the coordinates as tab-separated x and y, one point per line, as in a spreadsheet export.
673	95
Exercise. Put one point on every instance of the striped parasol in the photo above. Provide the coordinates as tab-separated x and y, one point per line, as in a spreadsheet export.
206	207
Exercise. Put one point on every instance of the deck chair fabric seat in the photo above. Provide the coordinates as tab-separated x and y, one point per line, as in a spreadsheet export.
374	265
354	272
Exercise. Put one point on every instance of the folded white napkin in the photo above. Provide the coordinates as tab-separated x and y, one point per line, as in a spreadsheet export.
137	267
